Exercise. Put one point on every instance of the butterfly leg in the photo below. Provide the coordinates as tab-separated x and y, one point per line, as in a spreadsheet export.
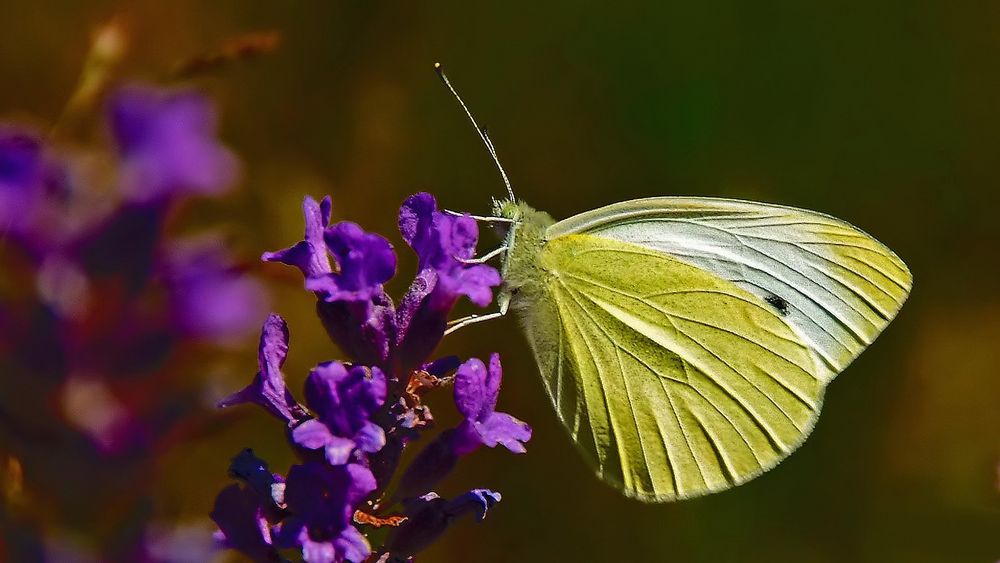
484	258
480	218
471	320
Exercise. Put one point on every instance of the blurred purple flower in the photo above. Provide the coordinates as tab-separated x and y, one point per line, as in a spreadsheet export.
101	305
21	173
344	400
168	145
322	499
20	159
210	298
268	387
476	391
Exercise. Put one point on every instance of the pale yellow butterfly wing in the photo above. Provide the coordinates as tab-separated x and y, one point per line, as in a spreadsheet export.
672	381
690	353
841	286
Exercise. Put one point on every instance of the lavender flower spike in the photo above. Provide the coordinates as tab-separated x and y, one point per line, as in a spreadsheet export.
476	391
268	387
365	411
344	400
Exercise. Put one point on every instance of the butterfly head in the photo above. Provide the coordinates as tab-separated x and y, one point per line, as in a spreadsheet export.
507	209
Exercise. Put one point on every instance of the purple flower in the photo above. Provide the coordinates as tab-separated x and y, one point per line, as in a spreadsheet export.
429	516
354	309
210	298
441	242
21	173
242	525
476	391
309	254
322	499
268	387
168	145
344	400
365	262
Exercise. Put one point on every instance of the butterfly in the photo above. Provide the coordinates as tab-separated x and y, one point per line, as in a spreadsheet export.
686	342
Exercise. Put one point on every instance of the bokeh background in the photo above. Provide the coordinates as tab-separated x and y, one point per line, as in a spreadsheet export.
884	113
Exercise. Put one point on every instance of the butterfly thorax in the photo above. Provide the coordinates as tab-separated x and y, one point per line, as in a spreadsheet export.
524	241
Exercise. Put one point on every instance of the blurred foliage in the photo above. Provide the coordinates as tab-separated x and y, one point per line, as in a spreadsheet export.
881	113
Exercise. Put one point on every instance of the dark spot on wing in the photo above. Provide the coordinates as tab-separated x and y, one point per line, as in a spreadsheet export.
778	303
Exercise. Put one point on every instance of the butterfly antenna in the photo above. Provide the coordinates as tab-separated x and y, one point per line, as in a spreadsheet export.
481	130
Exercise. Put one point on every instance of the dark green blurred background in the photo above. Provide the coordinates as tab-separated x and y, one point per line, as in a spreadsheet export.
885	114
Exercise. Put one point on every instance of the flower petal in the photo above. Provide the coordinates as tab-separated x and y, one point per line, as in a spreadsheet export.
471	394
345	399
504	429
476	283
268	387
308	255
365	260
371	438
312	435
338	450
476	500
351	545
441	242
364	330
273	347
316	551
